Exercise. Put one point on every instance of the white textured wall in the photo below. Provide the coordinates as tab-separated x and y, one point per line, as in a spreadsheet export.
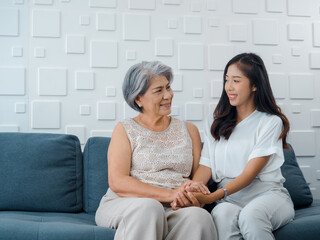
62	61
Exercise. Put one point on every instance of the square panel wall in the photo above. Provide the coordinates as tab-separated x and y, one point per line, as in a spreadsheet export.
301	86
279	85
303	142
190	56
216	88
130	30
219	55
106	110
52	81
238	32
104	54
299	8
164	47
265	32
275	6
316	34
314	59
103	3
245	6
192	24
128	112
106	21
75	44
9	24
46	23
77	130
9	128
315	117
177	84
12	81
142	4
84	80
193	111
45	114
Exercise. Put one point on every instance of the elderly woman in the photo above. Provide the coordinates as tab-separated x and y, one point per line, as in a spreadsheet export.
150	157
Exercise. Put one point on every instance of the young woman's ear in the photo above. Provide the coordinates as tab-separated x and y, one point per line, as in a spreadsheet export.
254	89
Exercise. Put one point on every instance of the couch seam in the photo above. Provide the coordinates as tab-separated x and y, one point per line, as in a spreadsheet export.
38	230
87	175
76	168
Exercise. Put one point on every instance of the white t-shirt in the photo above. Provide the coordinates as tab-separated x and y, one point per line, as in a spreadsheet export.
255	136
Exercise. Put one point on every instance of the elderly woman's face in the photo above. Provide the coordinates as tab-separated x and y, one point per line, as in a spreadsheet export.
158	97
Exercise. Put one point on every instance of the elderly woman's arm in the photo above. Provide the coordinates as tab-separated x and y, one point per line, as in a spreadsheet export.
119	163
196	146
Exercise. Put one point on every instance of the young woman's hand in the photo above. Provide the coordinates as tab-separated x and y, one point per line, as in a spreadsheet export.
204	198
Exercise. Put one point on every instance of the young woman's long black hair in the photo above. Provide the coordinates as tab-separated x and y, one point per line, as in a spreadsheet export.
225	115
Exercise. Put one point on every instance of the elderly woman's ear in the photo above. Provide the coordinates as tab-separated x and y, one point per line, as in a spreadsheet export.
137	100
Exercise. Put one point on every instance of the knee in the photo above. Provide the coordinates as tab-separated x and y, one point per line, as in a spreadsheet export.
252	221
150	207
252	217
199	216
225	212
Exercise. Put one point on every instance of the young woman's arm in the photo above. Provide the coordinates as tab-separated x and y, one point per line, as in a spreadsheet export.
250	172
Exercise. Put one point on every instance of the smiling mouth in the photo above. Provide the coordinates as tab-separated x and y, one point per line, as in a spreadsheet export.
232	96
165	105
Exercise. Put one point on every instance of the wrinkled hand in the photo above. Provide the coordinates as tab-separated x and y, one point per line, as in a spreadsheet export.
193	186
185	195
184	199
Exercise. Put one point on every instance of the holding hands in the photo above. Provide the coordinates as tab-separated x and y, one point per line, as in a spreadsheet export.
191	193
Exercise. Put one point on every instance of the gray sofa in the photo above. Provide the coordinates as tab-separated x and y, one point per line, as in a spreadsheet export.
50	189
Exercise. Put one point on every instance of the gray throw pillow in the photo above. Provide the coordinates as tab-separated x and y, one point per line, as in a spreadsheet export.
295	182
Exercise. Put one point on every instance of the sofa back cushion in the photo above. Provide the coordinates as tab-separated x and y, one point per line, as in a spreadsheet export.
95	172
295	182
40	172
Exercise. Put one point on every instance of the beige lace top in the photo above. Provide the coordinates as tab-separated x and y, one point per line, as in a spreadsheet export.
163	159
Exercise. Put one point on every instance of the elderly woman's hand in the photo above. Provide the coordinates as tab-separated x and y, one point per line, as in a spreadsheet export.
184	199
185	194
193	186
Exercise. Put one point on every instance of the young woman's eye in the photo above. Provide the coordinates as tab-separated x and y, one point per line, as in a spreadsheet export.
236	81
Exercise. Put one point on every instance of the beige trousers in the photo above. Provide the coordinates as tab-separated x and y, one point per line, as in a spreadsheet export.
147	219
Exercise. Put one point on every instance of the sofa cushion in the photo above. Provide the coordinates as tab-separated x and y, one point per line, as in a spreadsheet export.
40	172
51	226
295	182
306	224
95	172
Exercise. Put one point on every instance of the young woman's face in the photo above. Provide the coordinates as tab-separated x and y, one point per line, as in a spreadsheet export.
238	88
158	97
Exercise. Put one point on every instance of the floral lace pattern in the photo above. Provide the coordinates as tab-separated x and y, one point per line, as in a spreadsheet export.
163	159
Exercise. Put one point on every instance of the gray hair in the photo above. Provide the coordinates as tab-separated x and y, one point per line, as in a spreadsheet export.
138	78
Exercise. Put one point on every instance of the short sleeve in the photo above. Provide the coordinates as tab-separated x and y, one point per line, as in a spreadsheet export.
267	140
205	153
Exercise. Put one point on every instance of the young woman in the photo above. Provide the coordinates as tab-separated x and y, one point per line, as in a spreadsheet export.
243	153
